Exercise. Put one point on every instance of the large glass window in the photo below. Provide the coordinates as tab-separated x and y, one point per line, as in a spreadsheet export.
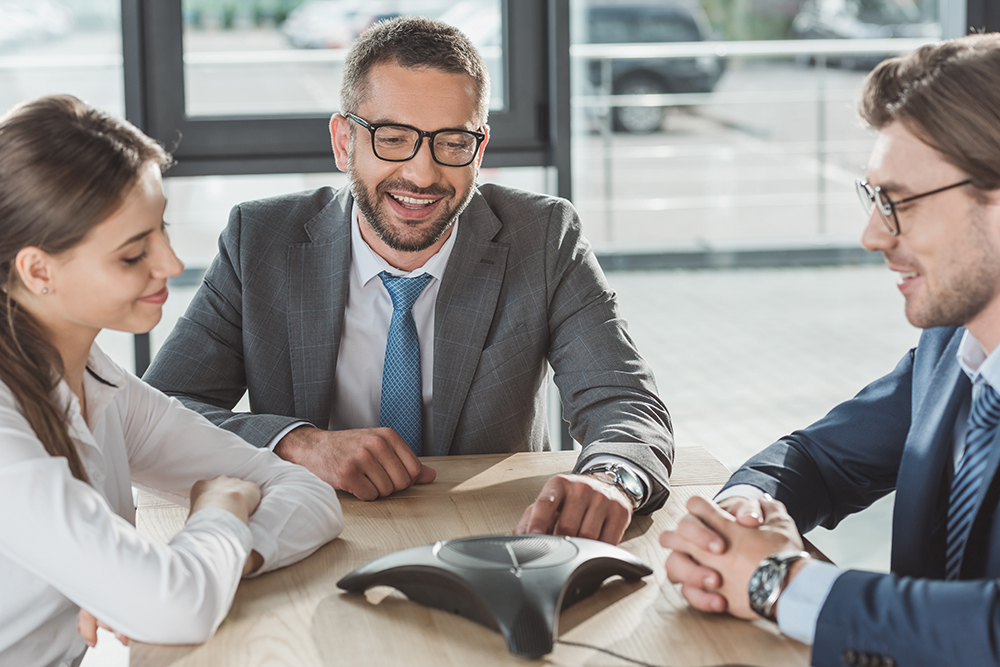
61	47
248	86
723	124
267	57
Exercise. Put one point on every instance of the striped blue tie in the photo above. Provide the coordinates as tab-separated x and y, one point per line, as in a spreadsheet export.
983	420
402	405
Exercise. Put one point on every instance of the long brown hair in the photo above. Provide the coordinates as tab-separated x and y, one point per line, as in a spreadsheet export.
948	95
64	168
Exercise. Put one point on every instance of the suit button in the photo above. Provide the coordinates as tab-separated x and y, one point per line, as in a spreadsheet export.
849	657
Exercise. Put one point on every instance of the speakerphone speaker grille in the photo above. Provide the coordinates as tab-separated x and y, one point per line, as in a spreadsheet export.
525	549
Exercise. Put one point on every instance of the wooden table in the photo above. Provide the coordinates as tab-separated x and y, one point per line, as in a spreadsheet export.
298	617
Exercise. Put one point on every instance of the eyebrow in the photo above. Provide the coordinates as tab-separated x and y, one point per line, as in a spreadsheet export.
141	235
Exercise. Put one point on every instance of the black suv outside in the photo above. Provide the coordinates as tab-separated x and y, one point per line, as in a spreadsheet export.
662	22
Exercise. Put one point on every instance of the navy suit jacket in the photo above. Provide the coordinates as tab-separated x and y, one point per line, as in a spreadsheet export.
896	435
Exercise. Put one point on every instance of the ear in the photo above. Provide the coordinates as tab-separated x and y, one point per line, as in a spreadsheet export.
482	146
340	138
34	269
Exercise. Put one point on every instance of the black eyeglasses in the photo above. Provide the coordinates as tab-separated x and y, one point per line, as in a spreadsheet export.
399	143
875	198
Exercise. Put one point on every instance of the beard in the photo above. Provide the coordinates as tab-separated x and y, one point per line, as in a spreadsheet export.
400	235
969	289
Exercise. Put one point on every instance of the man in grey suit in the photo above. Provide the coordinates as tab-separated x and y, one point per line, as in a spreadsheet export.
327	305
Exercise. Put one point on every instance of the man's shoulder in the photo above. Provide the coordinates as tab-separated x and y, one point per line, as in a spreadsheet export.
294	205
502	198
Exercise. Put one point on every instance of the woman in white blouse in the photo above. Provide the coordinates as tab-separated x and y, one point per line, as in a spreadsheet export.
83	246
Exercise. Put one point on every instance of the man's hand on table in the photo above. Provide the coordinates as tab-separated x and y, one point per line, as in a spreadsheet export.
369	463
717	547
578	506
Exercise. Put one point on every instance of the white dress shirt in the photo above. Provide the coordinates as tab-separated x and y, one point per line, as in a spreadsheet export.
66	545
801	602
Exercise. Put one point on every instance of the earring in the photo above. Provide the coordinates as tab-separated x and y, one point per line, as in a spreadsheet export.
45	290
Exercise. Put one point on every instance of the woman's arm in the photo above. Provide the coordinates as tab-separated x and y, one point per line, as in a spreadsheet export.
171	447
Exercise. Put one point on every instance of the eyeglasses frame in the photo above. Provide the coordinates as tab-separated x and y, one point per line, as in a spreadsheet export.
421	134
862	186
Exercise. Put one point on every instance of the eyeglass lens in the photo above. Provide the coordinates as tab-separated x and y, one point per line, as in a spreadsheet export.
872	200
394	142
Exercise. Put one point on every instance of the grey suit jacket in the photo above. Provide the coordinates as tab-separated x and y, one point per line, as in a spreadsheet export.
522	288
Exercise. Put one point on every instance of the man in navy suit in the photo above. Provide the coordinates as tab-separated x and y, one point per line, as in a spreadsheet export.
928	430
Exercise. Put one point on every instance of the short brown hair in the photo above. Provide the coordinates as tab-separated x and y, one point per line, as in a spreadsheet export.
413	42
948	95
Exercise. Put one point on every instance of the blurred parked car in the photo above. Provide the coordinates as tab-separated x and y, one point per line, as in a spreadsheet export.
861	19
648	24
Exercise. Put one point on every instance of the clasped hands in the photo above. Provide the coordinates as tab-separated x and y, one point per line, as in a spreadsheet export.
375	462
717	547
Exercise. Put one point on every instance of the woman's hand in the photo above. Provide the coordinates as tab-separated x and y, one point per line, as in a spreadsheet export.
87	627
233	495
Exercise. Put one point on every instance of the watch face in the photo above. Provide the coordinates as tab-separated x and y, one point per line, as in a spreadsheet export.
631	482
762	585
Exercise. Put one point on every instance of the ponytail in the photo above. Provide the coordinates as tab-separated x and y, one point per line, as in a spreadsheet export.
31	367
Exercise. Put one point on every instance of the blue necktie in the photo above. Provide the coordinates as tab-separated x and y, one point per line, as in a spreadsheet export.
402	405
983	420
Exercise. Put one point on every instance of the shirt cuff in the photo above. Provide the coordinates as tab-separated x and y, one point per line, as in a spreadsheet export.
283	432
739	490
801	601
638	472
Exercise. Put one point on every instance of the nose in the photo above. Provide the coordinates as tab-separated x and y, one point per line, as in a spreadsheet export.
165	263
876	236
421	169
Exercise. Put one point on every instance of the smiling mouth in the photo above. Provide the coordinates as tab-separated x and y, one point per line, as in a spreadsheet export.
413	203
902	277
156	297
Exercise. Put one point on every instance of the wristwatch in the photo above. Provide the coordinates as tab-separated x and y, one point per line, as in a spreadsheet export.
769	579
621	476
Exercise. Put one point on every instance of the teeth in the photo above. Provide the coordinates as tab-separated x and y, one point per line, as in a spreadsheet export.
907	276
411	200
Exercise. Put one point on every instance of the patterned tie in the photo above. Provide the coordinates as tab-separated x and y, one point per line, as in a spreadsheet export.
983	420
401	388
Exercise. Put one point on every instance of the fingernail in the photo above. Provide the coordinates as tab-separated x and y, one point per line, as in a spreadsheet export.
709	582
715	547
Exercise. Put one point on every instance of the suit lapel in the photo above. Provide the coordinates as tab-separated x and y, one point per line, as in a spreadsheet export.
318	275
920	510
464	311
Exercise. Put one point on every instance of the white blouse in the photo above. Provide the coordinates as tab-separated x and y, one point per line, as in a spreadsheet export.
65	544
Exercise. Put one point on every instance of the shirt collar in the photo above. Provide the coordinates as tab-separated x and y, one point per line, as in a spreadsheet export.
369	263
976	363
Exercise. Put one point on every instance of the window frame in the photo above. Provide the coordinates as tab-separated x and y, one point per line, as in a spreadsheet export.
300	143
